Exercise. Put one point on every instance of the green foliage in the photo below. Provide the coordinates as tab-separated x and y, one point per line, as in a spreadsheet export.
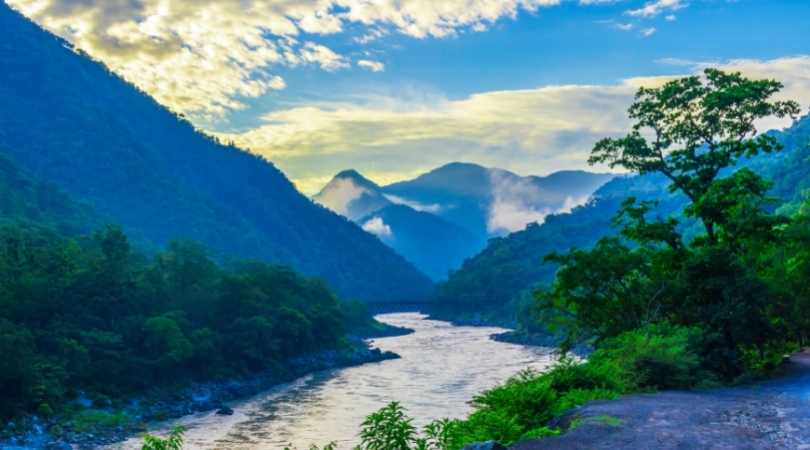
174	441
388	429
88	316
699	126
657	356
93	419
391	429
603	419
720	287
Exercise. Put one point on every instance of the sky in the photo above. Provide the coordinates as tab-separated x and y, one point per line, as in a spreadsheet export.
393	88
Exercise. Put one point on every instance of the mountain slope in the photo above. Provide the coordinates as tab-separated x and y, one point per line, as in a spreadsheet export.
431	243
492	279
24	199
434	245
68	120
352	195
513	264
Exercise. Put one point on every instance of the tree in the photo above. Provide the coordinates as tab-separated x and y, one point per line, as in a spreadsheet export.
692	128
693	131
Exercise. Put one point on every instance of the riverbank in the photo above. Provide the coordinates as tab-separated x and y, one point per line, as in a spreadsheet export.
90	427
770	415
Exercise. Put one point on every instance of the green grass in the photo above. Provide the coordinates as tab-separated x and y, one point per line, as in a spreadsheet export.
603	419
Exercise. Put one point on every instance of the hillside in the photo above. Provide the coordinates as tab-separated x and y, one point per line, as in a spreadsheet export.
24	199
514	264
106	144
431	243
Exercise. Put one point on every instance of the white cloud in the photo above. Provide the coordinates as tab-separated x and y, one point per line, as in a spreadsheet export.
671	18
431	207
323	56
657	7
374	66
377	226
647	32
515	203
512	207
205	57
530	131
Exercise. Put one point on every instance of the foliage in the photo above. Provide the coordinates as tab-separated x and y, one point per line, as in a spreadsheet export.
524	406
719	285
174	441
391	429
699	127
90	317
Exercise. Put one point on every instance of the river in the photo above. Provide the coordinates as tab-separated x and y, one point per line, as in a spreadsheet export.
442	367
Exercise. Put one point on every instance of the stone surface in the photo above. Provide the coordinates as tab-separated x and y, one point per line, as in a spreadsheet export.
769	415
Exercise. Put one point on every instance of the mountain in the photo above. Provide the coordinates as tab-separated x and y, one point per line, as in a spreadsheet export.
352	195
25	199
513	265
68	120
440	218
431	243
493	202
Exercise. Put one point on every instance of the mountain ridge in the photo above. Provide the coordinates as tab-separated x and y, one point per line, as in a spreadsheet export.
109	145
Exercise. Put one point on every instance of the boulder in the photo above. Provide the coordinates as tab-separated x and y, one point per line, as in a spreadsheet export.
225	411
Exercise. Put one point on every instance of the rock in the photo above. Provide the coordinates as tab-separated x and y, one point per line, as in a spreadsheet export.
225	411
489	445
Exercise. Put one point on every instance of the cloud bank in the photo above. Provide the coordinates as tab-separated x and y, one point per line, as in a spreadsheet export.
206	57
530	131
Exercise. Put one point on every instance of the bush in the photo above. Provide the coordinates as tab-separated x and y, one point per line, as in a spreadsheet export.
660	356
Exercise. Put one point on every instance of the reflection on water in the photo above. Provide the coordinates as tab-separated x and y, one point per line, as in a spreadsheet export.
442	368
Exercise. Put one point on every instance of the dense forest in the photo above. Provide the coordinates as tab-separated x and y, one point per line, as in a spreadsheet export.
116	150
89	317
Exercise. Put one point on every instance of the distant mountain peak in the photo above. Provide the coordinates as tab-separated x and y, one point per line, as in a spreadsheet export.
351	195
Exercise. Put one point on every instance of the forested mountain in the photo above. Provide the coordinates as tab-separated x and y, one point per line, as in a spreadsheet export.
68	120
440	218
24	199
514	264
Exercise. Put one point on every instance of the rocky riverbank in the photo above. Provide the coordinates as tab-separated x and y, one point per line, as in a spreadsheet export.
90	427
770	415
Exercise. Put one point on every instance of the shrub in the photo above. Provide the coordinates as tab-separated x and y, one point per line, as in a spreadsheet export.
660	356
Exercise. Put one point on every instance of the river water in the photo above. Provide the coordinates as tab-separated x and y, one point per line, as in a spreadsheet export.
441	369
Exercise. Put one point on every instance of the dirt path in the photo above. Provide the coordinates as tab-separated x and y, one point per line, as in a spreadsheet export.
770	415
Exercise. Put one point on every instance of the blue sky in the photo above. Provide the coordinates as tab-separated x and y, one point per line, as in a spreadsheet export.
394	88
566	44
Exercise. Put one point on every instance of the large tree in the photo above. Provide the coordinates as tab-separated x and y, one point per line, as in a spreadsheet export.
692	128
